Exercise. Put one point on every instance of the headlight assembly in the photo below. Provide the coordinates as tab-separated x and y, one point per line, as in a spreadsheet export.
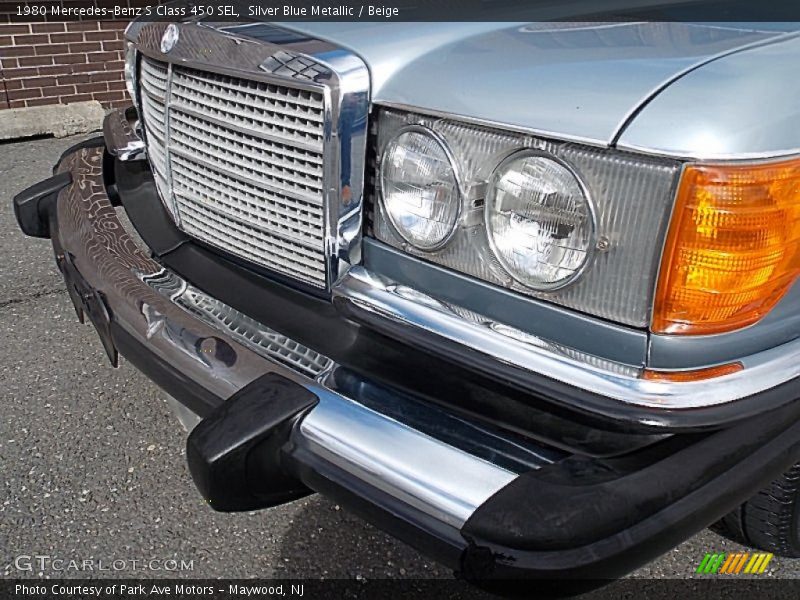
539	221
419	188
564	222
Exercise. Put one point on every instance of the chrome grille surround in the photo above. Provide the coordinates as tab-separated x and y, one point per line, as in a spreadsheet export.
245	138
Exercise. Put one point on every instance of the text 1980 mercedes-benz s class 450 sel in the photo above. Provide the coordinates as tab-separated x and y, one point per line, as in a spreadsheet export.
523	295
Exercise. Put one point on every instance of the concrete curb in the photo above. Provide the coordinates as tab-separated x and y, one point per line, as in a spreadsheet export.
60	120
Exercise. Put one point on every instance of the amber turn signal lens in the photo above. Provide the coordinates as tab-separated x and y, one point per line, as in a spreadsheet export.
696	375
733	248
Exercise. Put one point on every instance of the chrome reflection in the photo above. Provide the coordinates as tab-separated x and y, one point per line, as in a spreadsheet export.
249	332
398	460
223	66
512	333
373	299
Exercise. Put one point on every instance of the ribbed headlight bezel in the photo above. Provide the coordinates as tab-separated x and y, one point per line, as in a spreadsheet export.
631	193
521	154
442	144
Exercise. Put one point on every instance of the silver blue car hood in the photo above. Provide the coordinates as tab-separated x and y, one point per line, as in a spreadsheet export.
570	80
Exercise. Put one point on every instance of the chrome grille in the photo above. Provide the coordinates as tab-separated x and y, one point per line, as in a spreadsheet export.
240	164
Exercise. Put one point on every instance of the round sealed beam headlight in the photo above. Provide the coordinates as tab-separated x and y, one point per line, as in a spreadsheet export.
539	220
420	188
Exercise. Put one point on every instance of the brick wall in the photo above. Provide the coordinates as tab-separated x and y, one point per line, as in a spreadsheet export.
61	62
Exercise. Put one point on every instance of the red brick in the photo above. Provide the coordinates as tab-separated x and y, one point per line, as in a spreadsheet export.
5	40
51	49
115	46
48	27
109	96
12	51
30	40
94	87
78	4
38	82
8	63
69	59
83	26
115	65
76	98
41	101
20	73
113	24
56	70
105	76
101	36
35	61
15	28
13	84
72	79
58	90
16	104
24	94
103	57
117	86
85	47
66	38
85	68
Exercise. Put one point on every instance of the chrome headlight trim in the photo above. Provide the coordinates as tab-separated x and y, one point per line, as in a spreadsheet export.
590	250
442	143
130	70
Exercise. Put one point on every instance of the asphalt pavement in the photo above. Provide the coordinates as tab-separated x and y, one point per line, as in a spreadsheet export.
92	463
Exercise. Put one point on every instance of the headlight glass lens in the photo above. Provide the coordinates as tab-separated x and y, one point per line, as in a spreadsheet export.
539	221
420	188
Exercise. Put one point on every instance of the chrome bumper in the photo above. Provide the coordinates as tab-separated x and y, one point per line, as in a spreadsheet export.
373	299
222	351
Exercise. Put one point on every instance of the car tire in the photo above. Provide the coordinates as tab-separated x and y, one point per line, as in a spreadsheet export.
770	520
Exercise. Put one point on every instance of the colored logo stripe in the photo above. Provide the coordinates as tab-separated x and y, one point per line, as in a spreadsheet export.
729	562
735	563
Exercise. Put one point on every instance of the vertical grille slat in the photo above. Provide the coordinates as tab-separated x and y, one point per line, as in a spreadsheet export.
240	162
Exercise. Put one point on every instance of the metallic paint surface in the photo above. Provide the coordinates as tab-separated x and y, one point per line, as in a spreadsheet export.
740	106
612	70
572	81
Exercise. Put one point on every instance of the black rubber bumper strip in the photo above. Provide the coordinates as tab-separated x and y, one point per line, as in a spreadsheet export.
547	523
31	205
234	454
